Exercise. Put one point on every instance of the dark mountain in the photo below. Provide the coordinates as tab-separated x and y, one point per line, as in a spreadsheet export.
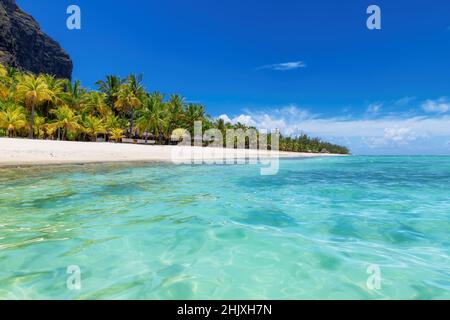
23	45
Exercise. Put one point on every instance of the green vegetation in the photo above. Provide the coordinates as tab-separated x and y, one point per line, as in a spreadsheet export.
47	108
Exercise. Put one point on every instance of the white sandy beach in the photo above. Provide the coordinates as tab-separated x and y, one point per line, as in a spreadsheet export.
16	152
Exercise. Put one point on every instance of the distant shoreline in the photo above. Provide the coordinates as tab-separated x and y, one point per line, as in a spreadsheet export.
25	152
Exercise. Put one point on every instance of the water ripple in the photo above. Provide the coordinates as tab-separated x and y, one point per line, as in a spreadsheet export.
225	232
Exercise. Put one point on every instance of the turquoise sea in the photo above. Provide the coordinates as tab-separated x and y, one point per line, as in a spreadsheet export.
160	231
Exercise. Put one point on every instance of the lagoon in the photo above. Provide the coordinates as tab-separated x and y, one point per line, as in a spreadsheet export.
161	231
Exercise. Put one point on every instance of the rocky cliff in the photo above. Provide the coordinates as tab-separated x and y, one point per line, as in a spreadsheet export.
23	45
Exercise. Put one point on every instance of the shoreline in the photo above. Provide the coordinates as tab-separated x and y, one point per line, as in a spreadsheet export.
16	152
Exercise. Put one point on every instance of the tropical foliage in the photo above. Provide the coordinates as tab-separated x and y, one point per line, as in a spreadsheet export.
40	106
13	119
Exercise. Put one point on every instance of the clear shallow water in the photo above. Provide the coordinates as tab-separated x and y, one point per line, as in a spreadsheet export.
213	232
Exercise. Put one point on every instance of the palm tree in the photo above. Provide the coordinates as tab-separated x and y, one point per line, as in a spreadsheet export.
176	106
8	81
57	88
240	126
74	95
32	91
50	130
64	107
93	126
4	91
136	84
175	114
112	122
94	103
39	126
13	119
193	112
110	87
12	73
116	134
3	71
66	121
127	102
152	116
4	87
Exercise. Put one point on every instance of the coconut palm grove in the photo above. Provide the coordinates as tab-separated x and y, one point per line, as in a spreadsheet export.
44	107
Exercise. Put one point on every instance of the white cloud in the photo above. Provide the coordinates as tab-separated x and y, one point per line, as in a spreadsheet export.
225	118
395	136
374	107
278	118
440	105
414	134
244	119
405	101
285	66
399	134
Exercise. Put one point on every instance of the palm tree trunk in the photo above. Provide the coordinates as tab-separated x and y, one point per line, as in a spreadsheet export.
31	133
131	123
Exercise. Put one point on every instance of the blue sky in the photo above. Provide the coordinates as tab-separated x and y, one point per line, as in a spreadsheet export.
296	65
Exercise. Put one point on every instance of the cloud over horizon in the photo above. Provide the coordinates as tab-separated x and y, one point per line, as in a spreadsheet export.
413	134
